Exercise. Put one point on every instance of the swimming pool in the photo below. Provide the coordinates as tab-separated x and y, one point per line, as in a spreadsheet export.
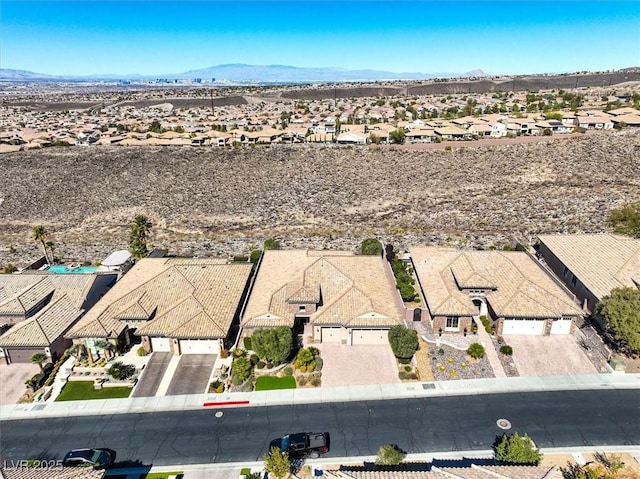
67	269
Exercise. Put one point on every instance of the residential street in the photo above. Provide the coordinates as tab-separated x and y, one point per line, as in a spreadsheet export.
455	423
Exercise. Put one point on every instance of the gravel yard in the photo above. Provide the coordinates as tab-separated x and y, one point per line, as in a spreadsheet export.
212	202
449	363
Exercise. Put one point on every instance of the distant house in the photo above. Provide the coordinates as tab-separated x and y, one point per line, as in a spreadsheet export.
344	298
594	122
351	138
591	265
510	288
481	129
498	130
630	120
420	135
39	308
453	132
179	305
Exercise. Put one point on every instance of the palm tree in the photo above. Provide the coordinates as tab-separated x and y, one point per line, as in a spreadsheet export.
138	236
39	233
39	358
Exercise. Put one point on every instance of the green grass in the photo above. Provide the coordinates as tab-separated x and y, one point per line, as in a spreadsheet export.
162	475
82	390
268	383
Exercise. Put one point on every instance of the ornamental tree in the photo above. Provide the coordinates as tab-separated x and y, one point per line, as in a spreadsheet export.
621	310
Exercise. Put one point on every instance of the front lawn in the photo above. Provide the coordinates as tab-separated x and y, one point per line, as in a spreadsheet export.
163	475
268	383
83	390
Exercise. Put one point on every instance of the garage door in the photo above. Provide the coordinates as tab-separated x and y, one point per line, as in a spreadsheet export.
22	355
561	326
161	345
523	326
199	346
369	336
332	335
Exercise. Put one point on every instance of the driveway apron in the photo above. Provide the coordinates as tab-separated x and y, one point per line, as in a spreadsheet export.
192	374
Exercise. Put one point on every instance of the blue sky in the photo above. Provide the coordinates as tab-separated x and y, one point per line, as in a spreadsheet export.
156	36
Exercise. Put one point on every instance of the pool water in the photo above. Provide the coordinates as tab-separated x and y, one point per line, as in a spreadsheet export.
65	269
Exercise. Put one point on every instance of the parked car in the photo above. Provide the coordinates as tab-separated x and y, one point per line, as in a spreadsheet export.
96	458
303	444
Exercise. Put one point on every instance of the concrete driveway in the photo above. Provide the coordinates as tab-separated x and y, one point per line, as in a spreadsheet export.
152	375
192	374
357	365
549	355
12	378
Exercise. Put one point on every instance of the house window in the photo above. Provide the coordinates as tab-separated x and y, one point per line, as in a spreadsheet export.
574	280
565	272
452	323
302	308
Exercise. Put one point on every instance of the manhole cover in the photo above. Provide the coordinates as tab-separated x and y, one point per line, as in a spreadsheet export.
503	424
219	414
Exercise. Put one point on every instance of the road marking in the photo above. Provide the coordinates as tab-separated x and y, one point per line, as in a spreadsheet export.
226	403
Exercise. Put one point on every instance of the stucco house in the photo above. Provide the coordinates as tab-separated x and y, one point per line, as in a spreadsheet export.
37	309
344	298
509	287
179	305
591	265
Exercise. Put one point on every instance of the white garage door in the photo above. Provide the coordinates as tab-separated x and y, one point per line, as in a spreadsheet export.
161	345
199	346
561	326
523	326
369	336
332	335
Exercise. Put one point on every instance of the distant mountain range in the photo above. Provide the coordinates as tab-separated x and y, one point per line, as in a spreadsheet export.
238	73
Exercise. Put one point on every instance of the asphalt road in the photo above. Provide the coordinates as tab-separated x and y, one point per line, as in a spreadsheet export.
552	419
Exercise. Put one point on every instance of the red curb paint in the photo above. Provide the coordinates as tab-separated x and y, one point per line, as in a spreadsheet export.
226	403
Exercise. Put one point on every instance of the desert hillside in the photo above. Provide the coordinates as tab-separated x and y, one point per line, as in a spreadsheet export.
219	201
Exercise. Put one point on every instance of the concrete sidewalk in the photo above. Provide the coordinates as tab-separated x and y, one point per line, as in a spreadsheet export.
321	395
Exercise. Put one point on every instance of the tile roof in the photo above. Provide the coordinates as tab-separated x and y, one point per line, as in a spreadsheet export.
180	297
601	261
42	329
471	471
50	473
353	291
64	296
519	287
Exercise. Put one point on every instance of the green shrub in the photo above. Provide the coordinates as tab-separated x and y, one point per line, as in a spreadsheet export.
476	350
440	352
403	341
315	351
273	344
260	365
254	359
506	350
404	360
486	323
371	247
402	375
254	257
141	351
236	379
315	382
239	353
271	243
247	343
515	449
302	380
407	369
240	259
288	371
389	455
319	363
242	367
121	371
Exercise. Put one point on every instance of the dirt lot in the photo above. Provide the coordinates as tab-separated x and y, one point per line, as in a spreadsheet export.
12	378
549	355
357	365
215	201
